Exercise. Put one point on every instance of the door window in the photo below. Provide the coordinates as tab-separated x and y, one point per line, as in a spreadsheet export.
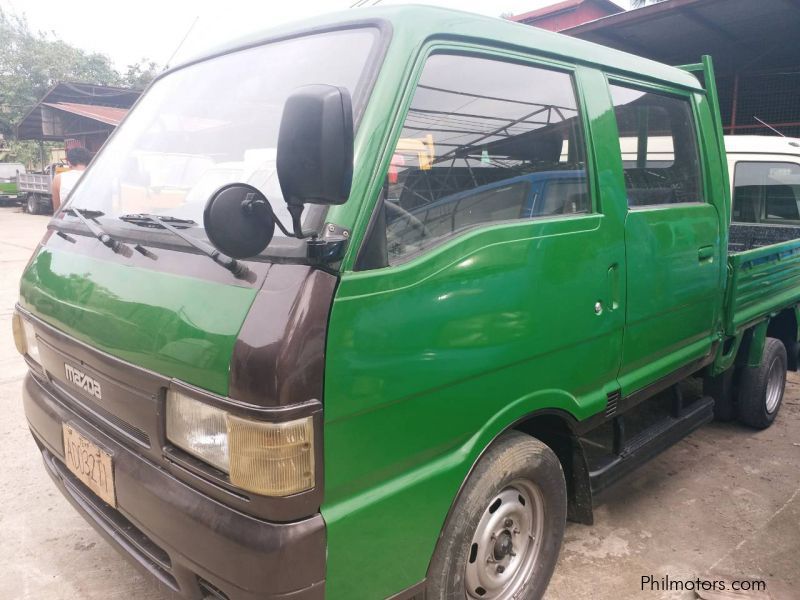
485	141
659	147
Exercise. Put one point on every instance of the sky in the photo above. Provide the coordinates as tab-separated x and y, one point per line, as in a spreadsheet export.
130	31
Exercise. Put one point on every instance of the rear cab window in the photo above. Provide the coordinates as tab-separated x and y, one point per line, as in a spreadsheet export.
766	192
502	145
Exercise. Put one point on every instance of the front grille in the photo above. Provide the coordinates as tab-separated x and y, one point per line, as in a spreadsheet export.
125	533
93	412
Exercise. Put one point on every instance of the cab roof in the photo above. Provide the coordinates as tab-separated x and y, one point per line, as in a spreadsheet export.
413	25
761	144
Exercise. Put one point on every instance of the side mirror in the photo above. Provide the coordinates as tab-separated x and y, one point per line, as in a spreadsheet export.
315	146
238	220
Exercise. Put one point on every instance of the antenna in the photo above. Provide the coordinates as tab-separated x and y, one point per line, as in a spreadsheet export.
186	35
768	125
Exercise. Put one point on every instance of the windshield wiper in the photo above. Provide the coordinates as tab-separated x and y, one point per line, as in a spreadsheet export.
145	220
239	270
98	231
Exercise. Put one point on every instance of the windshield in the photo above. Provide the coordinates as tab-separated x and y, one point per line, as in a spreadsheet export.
216	122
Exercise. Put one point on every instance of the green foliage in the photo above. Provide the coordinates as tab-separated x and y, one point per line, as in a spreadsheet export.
140	74
31	62
27	152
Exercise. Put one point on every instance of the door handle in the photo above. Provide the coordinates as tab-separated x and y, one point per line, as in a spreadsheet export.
705	254
613	287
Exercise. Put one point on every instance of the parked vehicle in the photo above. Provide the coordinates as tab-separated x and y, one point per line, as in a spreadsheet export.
371	400
765	179
9	172
36	189
765	182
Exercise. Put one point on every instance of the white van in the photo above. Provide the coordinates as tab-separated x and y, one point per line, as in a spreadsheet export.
765	184
765	179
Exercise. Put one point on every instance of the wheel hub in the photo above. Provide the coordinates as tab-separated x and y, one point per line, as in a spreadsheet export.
503	546
775	383
506	543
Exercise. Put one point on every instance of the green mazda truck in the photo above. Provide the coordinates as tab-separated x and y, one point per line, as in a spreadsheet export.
369	306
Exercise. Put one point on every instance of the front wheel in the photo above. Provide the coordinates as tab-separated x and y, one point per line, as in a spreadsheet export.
504	534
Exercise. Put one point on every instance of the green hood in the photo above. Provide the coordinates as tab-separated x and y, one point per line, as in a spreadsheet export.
178	326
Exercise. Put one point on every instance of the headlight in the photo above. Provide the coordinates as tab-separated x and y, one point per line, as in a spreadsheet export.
198	428
24	336
272	459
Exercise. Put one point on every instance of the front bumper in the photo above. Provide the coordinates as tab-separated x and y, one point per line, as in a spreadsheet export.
192	543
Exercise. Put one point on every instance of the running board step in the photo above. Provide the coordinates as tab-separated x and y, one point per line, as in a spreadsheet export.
651	442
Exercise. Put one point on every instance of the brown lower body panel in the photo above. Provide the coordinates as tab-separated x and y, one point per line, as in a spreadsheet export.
191	543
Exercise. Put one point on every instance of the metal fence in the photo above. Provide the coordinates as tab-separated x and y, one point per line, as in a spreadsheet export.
748	101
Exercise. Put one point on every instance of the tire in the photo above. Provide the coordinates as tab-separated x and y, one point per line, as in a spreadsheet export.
517	486
762	387
722	389
32	204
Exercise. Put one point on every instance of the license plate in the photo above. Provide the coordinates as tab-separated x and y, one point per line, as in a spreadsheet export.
90	464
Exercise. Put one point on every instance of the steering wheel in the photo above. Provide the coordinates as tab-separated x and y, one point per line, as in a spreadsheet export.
413	221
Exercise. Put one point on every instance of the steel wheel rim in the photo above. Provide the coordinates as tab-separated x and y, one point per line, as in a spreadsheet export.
506	544
775	382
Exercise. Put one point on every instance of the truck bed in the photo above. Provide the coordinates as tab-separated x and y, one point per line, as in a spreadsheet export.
34	182
762	280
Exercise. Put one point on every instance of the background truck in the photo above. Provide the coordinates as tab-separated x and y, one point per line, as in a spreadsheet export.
441	352
35	189
9	174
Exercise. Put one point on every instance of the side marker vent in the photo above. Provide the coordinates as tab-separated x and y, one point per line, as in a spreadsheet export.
611	405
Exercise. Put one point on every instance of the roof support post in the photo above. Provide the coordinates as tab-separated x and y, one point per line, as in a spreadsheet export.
735	103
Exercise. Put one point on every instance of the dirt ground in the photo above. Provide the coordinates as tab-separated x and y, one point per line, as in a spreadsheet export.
723	503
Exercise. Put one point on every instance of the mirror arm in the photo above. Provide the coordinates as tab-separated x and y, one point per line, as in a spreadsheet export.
295	208
260	208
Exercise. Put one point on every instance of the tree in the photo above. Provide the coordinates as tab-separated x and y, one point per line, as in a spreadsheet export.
31	62
140	74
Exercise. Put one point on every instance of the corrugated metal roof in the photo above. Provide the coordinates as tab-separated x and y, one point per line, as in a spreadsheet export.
66	95
105	114
741	35
546	11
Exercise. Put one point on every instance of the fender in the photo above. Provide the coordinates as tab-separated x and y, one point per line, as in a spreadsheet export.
521	413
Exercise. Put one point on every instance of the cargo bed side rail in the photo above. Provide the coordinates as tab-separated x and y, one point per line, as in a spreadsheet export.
762	281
